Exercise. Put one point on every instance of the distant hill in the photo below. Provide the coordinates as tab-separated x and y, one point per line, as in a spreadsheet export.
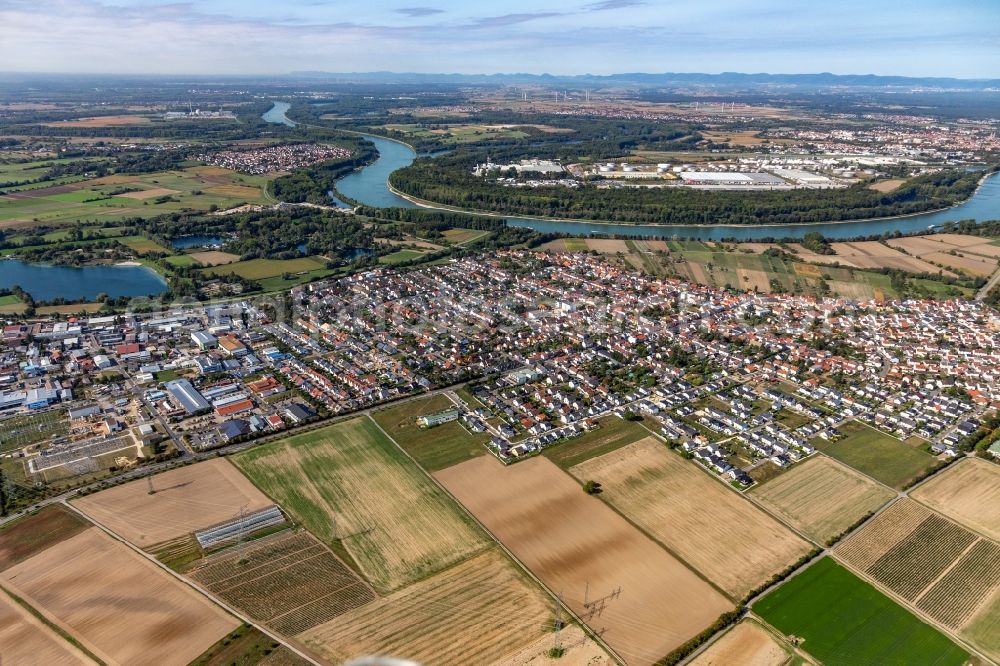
726	80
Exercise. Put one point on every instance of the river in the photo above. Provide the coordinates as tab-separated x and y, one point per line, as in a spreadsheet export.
370	186
46	282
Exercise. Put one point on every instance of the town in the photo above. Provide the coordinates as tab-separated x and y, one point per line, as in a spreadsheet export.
745	384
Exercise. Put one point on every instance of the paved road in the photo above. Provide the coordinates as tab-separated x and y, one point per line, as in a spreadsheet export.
992	282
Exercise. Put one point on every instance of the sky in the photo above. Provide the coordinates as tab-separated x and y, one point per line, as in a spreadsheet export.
959	38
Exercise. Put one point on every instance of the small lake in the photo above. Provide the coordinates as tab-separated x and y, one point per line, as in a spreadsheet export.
187	242
45	282
276	114
370	187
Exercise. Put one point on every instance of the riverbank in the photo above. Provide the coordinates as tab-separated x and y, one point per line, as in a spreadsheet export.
424	203
370	186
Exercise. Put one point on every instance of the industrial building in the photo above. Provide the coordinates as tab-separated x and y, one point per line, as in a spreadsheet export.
187	396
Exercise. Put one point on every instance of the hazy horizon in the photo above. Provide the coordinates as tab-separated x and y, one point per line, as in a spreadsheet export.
230	37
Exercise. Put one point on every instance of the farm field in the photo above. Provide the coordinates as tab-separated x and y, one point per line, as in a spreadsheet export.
943	569
24	537
715	530
24	639
473	613
744	266
247	646
746	644
289	581
434	448
349	485
880	456
845	621
187	499
645	601
213	257
142	245
256	269
120	196
953	251
400	256
969	492
118	605
612	434
821	497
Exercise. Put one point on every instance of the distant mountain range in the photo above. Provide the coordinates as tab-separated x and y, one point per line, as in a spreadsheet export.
728	80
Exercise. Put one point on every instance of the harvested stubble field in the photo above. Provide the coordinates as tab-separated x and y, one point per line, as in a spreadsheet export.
473	613
821	497
187	499
969	492
576	544
746	644
716	530
213	257
24	639
118	605
350	485
289	581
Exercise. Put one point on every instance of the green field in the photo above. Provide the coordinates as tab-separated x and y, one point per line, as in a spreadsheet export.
434	448
142	245
181	260
880	456
353	488
400	256
259	269
458	134
612	434
845	621
119	197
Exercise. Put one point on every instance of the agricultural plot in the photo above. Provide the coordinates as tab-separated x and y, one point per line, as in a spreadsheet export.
32	534
746	644
844	621
118	605
943	569
121	196
21	431
213	257
434	448
612	433
473	613
24	639
717	531
916	561
880	456
352	487
288	581
966	587
969	492
643	600
821	497
257	269
141	245
187	499
865	547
